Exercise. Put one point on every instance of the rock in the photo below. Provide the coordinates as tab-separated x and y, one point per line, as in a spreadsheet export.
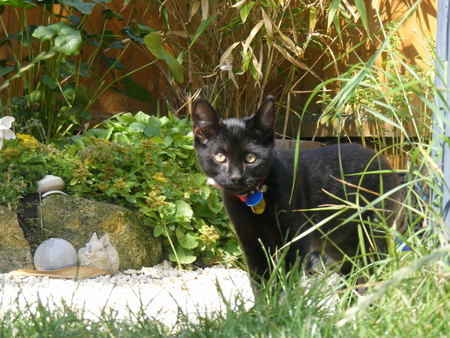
99	254
76	219
14	249
50	182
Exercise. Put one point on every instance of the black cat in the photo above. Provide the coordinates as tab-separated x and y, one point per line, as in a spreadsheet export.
329	188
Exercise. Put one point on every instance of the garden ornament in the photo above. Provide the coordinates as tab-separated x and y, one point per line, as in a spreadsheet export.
99	254
50	183
5	131
55	254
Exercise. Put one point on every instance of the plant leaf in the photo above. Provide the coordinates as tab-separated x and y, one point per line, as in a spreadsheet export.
46	32
186	239
158	231
334	6
68	41
153	127
17	3
245	10
267	23
194	10
134	90
361	7
176	69
154	44
252	35
49	81
79	5
201	28
5	70
205	9
183	211
182	256
142	117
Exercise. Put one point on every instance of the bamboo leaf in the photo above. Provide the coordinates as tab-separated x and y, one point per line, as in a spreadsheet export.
201	28
205	10
287	41
134	90
154	44
312	19
252	35
244	10
295	62
225	58
194	9
267	23
176	69
361	7
332	12
239	4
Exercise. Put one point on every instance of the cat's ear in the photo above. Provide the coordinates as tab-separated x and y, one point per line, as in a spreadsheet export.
206	120
264	118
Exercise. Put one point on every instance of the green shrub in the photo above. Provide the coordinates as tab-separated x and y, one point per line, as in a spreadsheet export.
148	163
23	162
141	162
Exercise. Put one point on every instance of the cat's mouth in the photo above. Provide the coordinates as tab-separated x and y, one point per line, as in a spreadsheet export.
239	190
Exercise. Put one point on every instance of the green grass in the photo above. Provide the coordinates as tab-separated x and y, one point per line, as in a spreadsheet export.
411	300
414	302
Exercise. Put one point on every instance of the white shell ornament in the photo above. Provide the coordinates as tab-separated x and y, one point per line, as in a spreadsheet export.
54	254
50	182
99	254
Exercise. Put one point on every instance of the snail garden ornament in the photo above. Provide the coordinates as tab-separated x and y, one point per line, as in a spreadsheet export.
55	254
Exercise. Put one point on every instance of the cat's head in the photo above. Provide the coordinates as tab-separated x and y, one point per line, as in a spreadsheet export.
235	153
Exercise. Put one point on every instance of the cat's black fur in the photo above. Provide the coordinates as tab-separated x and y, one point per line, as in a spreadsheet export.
320	176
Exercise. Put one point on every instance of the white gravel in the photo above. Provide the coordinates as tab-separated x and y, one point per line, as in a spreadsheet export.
159	292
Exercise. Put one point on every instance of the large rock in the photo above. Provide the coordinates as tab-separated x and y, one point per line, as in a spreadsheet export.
14	249
75	219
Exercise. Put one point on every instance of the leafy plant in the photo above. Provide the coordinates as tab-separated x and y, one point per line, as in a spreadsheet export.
23	162
148	163
386	94
228	50
139	161
53	73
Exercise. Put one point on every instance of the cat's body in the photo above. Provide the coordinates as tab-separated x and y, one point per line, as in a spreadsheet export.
239	156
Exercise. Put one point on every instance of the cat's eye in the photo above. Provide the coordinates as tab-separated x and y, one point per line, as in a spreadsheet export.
250	158
219	157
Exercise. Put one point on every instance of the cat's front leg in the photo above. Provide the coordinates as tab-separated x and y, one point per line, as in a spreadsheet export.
258	236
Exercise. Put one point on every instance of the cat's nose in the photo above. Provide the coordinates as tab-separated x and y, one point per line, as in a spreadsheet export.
236	177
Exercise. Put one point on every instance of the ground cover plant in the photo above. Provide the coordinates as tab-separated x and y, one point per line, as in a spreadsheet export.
148	164
139	161
410	291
